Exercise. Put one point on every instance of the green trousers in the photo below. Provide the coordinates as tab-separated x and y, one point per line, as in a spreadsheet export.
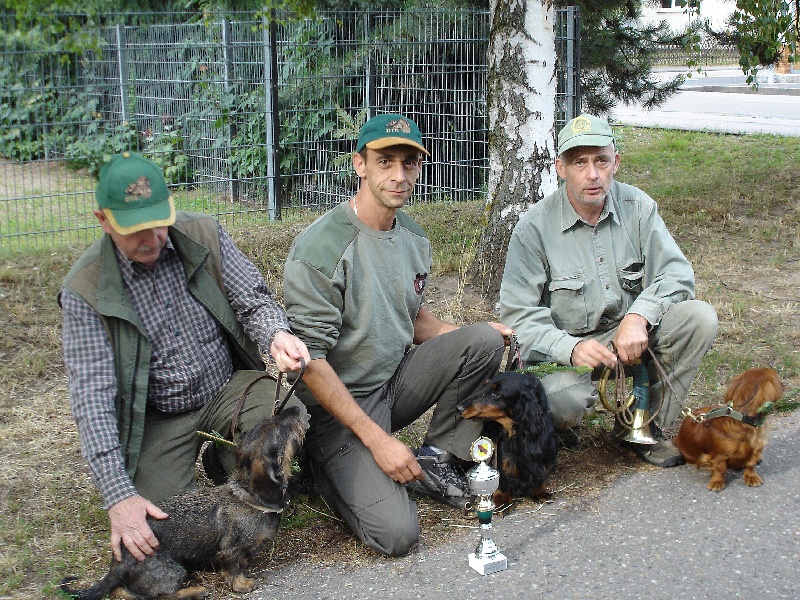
679	342
440	372
171	443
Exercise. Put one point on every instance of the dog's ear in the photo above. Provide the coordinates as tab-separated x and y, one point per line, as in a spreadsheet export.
751	389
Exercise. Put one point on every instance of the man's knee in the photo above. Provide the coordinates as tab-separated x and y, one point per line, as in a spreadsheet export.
692	323
393	537
570	396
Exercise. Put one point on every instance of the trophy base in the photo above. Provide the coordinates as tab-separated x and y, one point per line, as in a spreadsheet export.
487	566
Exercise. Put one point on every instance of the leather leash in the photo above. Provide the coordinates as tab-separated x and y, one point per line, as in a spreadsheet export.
279	404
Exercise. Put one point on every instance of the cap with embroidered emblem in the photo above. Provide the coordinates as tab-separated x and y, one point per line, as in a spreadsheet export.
387	130
131	191
585	130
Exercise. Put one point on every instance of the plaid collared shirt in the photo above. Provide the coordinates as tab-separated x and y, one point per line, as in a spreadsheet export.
191	360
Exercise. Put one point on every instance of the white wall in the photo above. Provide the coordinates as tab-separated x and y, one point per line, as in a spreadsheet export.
716	11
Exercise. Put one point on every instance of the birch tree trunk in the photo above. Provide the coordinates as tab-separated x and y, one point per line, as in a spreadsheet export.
521	92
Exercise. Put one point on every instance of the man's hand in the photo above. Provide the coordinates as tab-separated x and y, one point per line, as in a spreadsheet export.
631	338
129	524
287	350
591	353
395	459
506	332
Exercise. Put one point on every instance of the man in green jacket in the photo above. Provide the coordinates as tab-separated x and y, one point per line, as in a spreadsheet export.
593	278
165	323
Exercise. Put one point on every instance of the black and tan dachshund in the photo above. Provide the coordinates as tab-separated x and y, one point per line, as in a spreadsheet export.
220	528
526	443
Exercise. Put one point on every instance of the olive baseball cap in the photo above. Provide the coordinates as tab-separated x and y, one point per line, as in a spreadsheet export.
585	130
131	191
390	130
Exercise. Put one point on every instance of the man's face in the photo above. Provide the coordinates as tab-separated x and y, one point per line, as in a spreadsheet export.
588	173
390	173
143	246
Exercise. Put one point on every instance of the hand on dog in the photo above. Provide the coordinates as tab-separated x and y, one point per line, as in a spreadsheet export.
129	524
287	350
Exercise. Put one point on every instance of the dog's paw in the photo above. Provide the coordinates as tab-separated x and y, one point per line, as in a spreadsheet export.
197	592
753	479
240	583
716	485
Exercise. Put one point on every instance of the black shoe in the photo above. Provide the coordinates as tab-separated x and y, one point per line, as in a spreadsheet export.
212	465
443	481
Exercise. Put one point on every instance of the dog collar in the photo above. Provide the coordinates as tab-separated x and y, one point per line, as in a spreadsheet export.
247	498
724	411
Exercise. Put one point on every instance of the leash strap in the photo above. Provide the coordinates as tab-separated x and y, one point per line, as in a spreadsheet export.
279	404
514	358
240	401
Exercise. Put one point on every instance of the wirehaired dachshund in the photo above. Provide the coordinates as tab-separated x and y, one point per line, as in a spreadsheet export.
214	528
734	440
526	444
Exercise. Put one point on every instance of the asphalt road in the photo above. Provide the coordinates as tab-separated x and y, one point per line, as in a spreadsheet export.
653	534
721	101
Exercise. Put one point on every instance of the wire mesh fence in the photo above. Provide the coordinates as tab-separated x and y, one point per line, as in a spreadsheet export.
249	117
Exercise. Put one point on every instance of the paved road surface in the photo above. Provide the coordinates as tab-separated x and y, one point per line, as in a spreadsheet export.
654	534
722	102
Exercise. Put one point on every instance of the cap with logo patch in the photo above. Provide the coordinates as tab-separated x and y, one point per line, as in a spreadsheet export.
585	130
390	130
131	191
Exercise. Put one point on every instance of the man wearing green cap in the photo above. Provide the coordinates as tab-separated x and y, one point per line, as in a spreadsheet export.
165	322
593	278
354	288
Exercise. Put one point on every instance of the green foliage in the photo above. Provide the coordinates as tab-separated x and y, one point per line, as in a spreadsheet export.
762	28
545	369
165	148
99	141
617	52
790	401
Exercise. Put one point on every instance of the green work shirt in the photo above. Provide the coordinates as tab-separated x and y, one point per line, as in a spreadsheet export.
565	279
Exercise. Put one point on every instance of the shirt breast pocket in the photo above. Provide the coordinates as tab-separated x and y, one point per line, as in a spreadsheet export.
568	305
631	278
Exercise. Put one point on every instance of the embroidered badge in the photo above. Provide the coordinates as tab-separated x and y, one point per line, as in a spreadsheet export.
139	190
419	283
398	126
580	125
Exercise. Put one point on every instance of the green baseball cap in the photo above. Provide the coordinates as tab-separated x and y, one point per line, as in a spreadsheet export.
585	130
132	193
390	130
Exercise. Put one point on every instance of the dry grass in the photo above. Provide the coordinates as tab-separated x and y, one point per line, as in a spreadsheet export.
739	225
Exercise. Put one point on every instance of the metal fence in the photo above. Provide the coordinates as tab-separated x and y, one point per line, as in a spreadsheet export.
708	52
248	116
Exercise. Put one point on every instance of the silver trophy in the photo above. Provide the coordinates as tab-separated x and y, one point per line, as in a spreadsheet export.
483	481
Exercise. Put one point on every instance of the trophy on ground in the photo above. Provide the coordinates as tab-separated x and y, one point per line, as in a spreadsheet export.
483	481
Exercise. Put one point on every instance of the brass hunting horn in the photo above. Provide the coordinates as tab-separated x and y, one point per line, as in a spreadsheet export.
631	411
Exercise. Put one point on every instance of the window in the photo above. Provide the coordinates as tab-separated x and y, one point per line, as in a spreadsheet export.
679	4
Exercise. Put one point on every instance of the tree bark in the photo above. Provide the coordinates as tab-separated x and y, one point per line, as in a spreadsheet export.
521	92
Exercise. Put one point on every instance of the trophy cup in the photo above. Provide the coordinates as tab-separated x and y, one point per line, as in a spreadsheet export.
483	481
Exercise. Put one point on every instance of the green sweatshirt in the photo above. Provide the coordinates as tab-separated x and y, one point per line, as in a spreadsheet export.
352	295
